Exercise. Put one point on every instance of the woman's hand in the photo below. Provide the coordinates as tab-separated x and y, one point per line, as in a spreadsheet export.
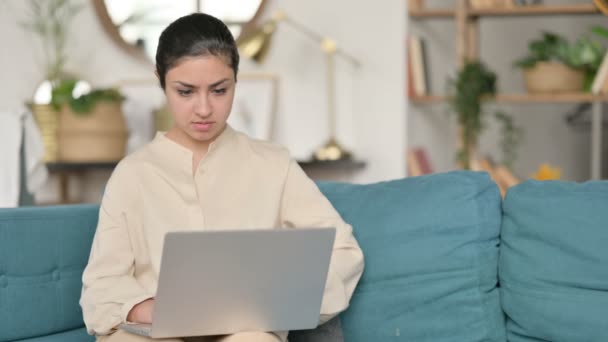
142	312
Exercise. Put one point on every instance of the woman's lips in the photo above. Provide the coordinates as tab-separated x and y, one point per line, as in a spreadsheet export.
202	126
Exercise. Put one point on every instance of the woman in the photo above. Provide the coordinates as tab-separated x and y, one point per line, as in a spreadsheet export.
201	174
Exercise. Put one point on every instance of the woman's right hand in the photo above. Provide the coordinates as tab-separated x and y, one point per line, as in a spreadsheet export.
142	312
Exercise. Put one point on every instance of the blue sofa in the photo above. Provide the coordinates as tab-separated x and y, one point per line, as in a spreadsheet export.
437	247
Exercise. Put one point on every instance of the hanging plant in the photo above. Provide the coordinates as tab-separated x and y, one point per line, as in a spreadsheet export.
473	84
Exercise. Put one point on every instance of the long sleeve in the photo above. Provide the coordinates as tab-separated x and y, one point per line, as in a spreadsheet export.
303	205
109	287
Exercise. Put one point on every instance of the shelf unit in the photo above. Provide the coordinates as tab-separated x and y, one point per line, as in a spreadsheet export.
467	33
523	98
507	11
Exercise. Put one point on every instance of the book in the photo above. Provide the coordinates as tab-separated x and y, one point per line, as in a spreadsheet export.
418	163
415	56
600	80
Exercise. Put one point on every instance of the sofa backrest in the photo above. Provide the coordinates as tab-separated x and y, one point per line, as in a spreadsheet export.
554	261
43	252
431	251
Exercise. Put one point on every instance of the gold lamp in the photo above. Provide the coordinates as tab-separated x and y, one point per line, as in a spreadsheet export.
255	45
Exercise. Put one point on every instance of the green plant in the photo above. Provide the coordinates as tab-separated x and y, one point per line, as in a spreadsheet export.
585	54
50	20
510	139
473	84
63	94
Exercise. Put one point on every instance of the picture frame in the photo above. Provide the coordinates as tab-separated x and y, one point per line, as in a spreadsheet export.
254	109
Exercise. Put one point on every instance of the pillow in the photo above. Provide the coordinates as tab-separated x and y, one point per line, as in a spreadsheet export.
554	261
431	253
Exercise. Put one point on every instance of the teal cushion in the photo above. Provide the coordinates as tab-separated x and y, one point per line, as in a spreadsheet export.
431	253
77	335
554	261
43	252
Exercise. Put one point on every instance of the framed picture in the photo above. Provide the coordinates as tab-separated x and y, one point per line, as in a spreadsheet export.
255	105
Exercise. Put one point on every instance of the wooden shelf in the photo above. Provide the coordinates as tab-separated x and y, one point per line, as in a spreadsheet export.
523	98
61	166
509	11
347	164
432	13
540	98
536	10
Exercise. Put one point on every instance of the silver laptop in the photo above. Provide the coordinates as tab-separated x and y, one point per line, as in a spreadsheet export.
224	282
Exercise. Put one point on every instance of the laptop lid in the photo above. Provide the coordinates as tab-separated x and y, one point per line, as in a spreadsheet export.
224	282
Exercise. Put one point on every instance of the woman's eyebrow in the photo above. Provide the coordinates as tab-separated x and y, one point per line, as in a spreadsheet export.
213	85
184	84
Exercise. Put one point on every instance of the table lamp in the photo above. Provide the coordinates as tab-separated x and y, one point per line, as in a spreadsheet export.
255	46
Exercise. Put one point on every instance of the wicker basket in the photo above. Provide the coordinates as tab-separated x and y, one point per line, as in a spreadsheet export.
47	120
553	77
99	136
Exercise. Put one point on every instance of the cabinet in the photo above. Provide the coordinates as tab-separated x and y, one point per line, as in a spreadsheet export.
467	37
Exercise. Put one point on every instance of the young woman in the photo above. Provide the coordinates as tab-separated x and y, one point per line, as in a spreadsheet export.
201	174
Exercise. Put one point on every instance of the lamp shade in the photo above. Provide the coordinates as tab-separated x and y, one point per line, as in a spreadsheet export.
255	45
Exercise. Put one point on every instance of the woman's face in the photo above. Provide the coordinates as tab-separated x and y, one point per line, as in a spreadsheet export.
199	92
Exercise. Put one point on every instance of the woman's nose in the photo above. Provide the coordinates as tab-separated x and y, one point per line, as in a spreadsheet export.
202	107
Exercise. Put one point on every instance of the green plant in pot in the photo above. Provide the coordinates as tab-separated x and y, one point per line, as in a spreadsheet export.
89	127
555	65
92	127
467	92
49	21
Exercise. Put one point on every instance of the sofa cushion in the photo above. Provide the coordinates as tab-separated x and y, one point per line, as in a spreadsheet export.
76	335
554	261
431	253
43	252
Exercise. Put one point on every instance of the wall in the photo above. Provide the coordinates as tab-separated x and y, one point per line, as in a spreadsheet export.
548	138
371	106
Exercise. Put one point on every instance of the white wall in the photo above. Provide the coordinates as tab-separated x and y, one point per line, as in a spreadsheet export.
548	138
370	101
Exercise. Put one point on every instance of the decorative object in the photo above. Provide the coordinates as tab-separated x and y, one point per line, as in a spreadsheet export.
579	63
135	25
473	84
255	105
92	127
255	45
553	77
547	172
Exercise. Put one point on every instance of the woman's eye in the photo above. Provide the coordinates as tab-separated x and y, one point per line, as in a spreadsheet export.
219	91
183	92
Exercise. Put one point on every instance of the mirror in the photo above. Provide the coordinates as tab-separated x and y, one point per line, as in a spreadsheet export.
136	24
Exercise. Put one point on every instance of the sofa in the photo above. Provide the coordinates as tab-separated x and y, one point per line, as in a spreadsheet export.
446	260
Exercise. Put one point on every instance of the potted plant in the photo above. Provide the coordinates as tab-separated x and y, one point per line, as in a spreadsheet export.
554	65
474	84
50	20
92	127
88	127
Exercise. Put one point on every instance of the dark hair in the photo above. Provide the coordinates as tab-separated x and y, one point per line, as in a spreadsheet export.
193	35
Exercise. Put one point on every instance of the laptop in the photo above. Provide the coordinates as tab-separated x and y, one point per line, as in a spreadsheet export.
225	282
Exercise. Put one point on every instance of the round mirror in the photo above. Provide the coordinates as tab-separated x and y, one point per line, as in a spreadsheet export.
136	24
